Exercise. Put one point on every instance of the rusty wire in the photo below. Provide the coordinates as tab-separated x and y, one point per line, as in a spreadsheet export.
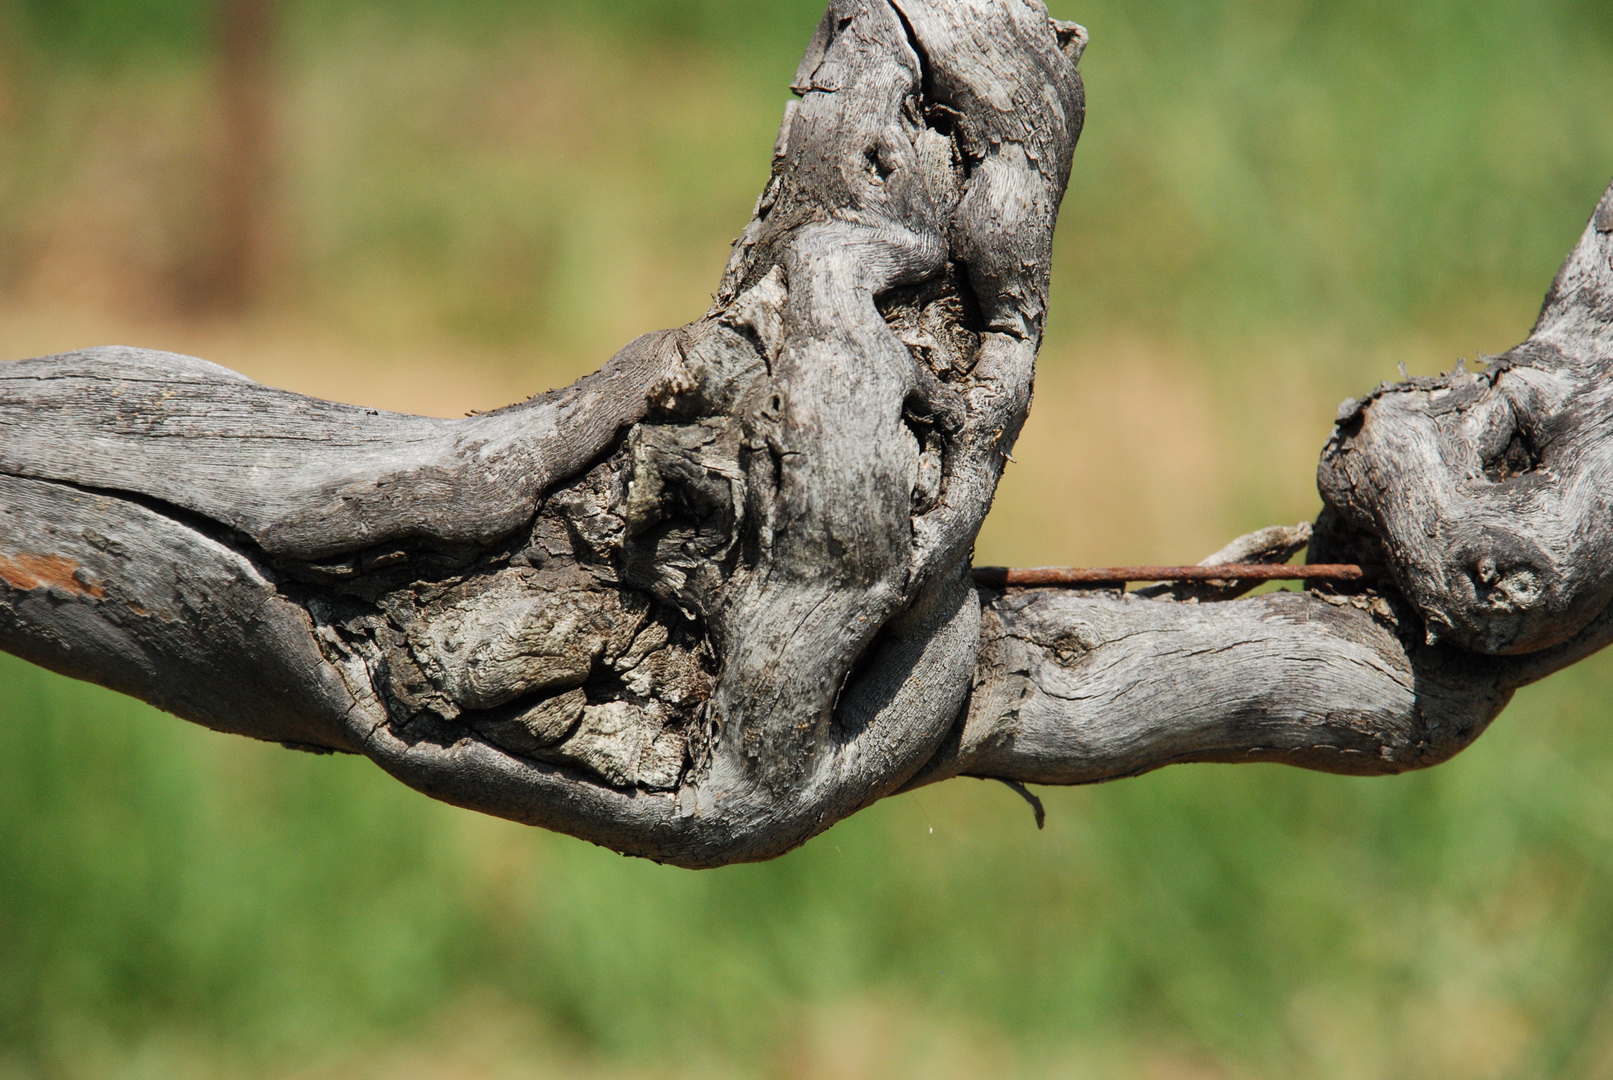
1002	577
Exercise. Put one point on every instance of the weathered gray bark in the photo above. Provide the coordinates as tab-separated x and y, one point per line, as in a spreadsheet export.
1489	494
715	597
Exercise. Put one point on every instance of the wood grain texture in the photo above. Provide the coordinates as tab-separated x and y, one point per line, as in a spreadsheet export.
715	597
301	477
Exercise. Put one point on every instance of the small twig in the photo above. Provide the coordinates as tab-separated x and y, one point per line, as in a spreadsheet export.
1000	577
1029	796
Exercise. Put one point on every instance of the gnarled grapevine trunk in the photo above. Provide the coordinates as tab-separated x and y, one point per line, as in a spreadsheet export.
715	597
700	605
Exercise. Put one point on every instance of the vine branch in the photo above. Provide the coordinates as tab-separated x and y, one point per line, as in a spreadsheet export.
715	597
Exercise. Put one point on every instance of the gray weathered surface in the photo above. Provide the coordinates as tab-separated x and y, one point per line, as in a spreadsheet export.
300	477
714	598
1489	493
1076	689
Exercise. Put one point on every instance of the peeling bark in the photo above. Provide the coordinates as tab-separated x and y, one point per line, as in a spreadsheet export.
713	598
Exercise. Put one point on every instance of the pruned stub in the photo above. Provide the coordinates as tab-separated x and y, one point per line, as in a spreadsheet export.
1484	490
1489	493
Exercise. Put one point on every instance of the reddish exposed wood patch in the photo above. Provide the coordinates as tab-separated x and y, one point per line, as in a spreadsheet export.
29	572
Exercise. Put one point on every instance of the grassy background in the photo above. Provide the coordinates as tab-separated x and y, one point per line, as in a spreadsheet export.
1275	203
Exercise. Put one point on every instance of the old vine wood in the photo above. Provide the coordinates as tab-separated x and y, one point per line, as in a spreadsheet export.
715	597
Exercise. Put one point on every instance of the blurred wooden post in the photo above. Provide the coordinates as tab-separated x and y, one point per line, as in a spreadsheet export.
245	165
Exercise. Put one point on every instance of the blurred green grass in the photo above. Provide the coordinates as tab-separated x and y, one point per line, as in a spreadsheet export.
1274	203
233	909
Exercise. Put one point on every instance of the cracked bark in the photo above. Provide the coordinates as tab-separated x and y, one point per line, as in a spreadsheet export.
713	598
